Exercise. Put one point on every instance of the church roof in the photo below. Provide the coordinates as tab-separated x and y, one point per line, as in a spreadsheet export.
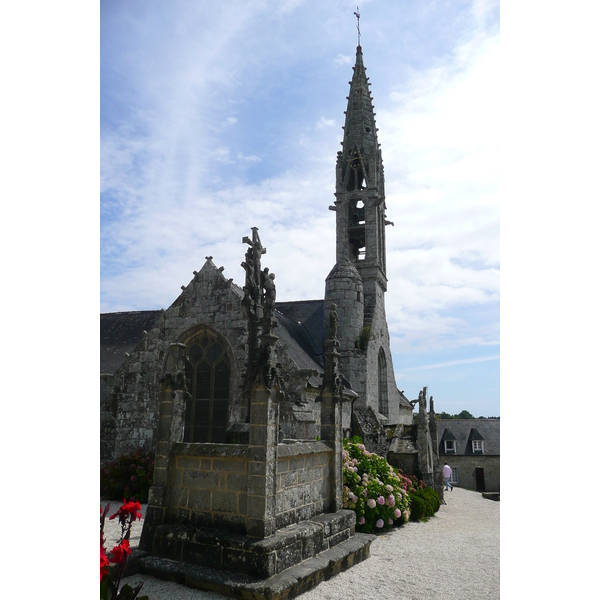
308	316
120	333
301	331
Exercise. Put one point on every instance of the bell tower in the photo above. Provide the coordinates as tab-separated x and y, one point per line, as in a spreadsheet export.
360	192
358	282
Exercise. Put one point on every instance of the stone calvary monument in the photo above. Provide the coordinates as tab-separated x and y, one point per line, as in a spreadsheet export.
246	401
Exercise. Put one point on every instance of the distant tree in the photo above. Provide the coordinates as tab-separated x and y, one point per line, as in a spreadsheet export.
444	415
464	414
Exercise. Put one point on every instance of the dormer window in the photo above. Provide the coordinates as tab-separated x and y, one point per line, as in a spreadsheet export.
477	445
476	440
450	446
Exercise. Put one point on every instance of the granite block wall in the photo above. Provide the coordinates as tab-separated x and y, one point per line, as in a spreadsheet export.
302	482
208	485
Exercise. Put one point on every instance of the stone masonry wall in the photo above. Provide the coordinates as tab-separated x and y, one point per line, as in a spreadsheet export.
208	485
302	482
466	470
380	338
130	413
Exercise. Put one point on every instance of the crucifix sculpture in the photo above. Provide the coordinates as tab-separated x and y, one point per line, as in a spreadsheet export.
259	307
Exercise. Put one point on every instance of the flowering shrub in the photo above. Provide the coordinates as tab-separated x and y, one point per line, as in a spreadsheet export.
411	483
128	476
373	489
109	589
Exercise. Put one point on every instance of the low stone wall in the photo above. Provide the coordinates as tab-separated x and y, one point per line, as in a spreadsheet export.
302	482
208	485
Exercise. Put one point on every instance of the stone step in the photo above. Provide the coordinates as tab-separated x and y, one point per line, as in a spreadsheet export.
260	558
288	584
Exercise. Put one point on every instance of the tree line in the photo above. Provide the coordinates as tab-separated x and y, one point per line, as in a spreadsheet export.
463	414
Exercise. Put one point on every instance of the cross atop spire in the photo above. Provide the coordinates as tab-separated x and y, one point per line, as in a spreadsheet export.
357	15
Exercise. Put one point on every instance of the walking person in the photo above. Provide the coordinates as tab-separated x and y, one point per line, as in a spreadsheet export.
447	474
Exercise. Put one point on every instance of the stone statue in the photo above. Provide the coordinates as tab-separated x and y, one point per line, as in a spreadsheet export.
259	307
333	322
253	288
268	283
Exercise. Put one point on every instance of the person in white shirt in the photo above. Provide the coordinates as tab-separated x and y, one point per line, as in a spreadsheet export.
447	474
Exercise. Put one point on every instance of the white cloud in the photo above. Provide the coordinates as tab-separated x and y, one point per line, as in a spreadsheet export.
342	59
453	363
324	122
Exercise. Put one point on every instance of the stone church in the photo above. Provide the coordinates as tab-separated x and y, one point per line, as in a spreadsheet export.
207	325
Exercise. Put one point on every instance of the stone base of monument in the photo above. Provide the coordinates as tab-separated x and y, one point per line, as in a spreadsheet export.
294	560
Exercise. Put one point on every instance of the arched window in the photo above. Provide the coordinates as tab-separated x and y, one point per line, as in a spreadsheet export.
382	390
207	376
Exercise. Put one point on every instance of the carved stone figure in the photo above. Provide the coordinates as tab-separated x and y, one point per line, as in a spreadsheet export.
268	283
259	307
333	322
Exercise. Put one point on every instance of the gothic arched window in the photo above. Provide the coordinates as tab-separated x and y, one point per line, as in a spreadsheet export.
207	375
382	391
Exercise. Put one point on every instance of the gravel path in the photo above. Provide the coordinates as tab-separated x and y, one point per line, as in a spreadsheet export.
455	555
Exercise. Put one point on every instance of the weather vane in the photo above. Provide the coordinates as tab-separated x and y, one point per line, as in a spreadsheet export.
357	15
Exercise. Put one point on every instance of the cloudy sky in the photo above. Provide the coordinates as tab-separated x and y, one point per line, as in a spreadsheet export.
216	117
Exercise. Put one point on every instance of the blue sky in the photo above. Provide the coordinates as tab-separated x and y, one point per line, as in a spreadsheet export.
216	117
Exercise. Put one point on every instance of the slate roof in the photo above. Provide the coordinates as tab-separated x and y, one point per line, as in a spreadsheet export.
299	345
121	332
300	330
465	430
309	313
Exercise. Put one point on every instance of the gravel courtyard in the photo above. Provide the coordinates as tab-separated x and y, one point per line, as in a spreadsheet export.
455	555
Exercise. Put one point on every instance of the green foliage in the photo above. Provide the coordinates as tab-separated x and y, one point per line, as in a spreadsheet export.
129	476
107	591
372	489
463	414
424	503
363	339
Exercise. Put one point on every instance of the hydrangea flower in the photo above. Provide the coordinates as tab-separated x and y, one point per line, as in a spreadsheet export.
381	500
391	500
379	523
371	503
362	520
397	513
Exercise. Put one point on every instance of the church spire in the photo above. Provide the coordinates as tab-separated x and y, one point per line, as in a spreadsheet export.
360	145
360	189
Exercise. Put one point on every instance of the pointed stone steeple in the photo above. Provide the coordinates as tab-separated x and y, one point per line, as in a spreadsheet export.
359	162
357	283
360	191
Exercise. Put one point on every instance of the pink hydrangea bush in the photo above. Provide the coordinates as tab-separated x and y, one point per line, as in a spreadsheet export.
373	489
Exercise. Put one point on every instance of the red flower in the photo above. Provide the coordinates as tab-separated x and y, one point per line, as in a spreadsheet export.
104	562
128	509
120	552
